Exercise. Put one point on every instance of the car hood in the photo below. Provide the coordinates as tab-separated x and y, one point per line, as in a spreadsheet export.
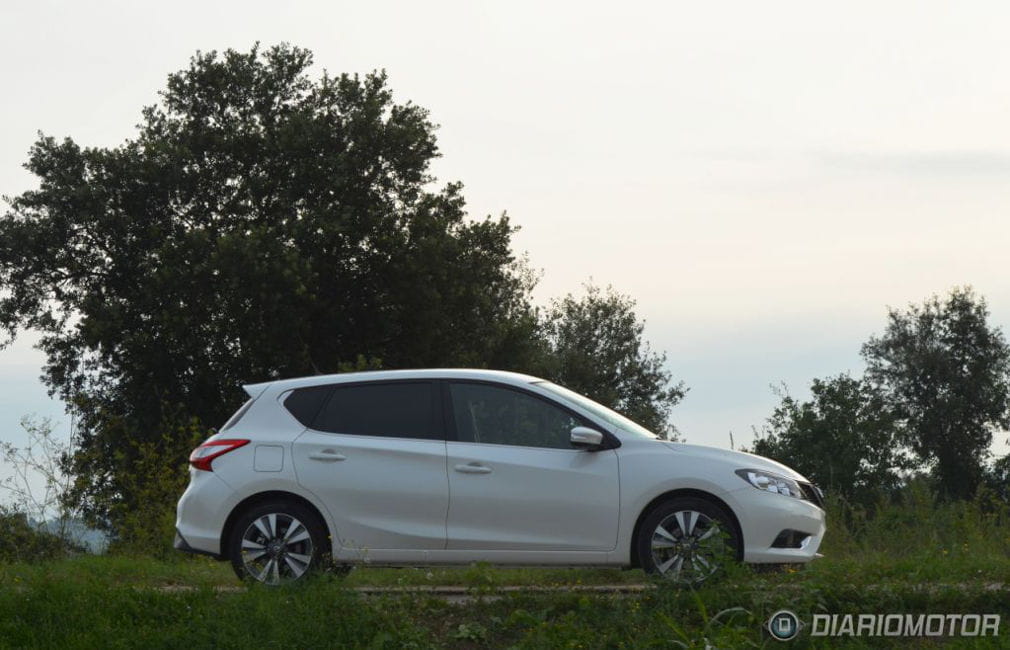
739	459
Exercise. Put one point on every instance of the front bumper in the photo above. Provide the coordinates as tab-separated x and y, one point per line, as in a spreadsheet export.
763	516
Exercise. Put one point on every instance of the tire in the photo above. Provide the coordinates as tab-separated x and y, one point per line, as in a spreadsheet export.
691	556
277	542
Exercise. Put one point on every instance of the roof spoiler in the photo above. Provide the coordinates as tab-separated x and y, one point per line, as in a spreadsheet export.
255	390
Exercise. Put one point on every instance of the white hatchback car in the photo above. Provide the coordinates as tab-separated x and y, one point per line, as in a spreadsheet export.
425	467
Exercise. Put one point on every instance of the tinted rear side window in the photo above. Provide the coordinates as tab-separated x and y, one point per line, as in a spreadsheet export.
395	410
304	403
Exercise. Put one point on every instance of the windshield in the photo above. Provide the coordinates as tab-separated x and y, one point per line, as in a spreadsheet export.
599	410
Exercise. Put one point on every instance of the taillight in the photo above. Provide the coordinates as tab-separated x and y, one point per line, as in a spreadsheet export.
208	451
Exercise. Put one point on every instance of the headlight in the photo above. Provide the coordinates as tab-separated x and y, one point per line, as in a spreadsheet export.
771	482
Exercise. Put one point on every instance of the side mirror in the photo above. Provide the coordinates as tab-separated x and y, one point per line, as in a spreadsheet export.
586	438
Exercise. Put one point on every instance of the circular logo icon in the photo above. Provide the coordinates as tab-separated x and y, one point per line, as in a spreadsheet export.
783	625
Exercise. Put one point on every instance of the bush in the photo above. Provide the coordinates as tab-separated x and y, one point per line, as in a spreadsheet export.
36	464
21	541
157	478
915	523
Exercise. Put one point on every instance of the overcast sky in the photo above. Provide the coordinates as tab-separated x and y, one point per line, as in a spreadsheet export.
764	178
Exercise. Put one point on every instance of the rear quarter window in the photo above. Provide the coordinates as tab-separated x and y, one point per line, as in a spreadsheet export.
304	403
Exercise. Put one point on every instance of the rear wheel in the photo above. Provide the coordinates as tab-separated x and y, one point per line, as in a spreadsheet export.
686	540
277	542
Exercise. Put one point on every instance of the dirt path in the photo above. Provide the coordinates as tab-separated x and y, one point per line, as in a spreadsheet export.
460	594
456	594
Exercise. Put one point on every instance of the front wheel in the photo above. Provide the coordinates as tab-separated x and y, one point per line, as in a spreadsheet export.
686	540
276	542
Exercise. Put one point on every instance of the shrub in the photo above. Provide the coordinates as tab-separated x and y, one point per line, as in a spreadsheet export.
157	478
22	541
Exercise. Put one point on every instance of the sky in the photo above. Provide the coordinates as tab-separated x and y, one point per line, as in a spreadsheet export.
765	179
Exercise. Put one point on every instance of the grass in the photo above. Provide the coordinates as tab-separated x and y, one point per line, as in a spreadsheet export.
117	602
910	558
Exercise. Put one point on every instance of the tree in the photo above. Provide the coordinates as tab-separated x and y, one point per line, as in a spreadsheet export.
260	224
946	372
595	347
845	439
997	477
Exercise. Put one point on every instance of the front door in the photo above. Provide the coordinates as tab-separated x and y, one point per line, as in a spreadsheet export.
515	481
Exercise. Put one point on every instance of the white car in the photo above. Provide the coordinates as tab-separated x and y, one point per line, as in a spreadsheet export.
426	467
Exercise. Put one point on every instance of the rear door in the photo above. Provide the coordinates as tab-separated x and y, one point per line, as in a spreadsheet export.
516	483
374	454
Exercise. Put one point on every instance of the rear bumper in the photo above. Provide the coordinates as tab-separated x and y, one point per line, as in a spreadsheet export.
181	544
201	514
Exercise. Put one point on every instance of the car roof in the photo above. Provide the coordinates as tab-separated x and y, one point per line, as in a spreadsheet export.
501	376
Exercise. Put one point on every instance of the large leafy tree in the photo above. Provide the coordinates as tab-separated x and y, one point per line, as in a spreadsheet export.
845	438
946	371
596	347
261	223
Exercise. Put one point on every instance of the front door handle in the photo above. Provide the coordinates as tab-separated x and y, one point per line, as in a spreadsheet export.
473	468
328	455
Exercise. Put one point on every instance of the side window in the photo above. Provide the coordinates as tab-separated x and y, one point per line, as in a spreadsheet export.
394	410
304	403
502	416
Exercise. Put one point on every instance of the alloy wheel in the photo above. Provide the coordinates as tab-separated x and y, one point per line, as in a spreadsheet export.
276	548
688	546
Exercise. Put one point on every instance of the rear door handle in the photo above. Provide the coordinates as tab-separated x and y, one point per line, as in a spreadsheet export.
328	455
472	468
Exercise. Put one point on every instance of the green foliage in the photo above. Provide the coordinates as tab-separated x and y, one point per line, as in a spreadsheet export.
263	223
38	524
473	632
845	439
130	602
155	479
936	389
946	372
21	541
49	613
998	477
595	347
912	554
916	535
37	484
260	224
